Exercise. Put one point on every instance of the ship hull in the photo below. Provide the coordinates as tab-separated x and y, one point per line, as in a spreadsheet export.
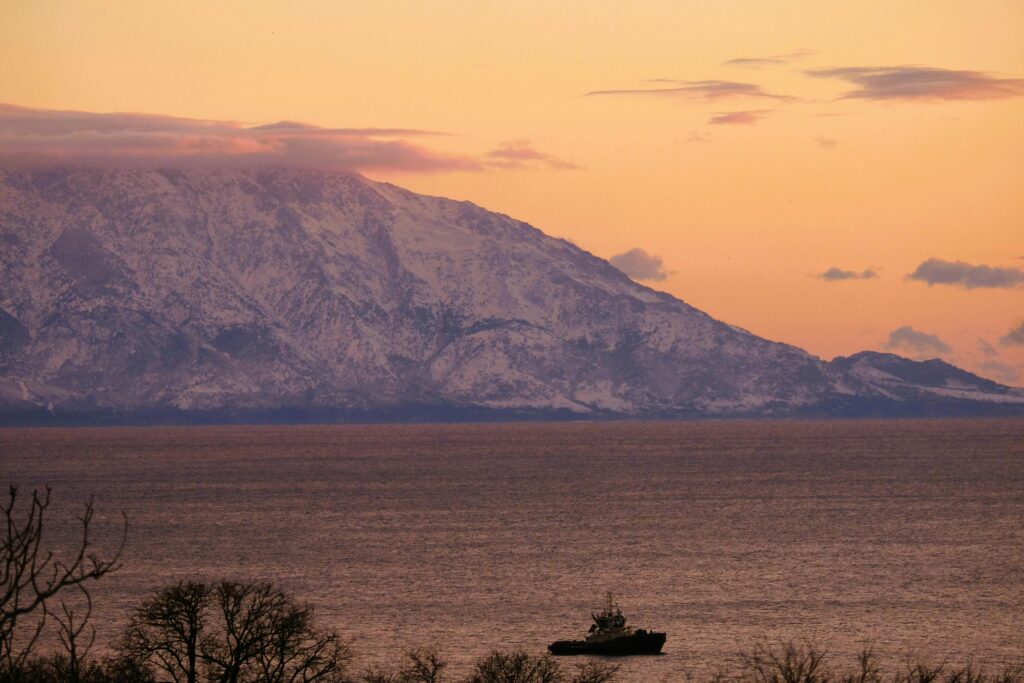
635	644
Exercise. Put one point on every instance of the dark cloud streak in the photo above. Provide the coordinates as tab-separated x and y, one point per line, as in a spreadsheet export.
834	274
772	60
938	272
999	371
1014	337
696	90
923	83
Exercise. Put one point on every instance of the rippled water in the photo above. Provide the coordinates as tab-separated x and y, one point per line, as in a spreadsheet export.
905	534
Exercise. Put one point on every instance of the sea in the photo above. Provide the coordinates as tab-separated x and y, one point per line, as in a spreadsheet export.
905	536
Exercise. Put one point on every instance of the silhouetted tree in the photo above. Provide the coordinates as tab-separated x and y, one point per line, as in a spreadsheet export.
295	650
786	663
517	667
423	666
867	669
380	674
233	632
920	673
57	669
71	625
31	575
165	630
595	672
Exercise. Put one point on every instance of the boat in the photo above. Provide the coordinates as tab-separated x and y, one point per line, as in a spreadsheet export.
610	636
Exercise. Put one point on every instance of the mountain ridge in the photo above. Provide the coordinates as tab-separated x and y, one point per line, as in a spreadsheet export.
298	295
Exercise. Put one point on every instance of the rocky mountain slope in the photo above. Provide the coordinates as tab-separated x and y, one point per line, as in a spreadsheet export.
130	295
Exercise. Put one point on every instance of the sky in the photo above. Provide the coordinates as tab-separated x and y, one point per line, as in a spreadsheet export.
838	175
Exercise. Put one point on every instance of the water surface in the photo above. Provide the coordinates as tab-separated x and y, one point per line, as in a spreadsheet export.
905	534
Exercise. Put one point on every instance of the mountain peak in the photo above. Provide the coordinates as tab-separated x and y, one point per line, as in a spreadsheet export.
276	293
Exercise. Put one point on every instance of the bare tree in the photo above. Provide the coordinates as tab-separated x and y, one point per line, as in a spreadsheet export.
380	674
165	630
595	672
867	669
31	575
424	666
787	663
517	667
246	613
920	673
297	651
233	632
71	625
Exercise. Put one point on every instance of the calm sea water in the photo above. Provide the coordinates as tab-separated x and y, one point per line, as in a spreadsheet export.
905	534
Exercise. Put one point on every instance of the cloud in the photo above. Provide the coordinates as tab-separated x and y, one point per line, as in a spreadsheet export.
825	143
516	154
999	371
639	265
834	274
772	60
41	136
696	90
697	136
1014	337
987	349
907	337
938	272
922	83
748	118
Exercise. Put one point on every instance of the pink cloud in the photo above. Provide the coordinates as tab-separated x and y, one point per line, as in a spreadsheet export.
40	136
516	154
745	118
772	60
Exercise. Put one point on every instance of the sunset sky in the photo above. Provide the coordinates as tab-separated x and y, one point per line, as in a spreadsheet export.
836	175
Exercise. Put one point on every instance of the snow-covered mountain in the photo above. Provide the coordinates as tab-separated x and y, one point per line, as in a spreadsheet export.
296	295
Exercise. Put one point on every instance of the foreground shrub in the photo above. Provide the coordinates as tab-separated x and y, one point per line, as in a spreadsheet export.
792	663
596	672
59	669
422	665
787	663
517	667
521	667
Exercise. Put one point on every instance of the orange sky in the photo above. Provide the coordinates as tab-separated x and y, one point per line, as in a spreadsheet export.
924	162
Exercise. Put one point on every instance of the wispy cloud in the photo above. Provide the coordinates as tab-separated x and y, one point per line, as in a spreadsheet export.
987	349
1000	371
772	60
639	265
743	118
908	338
938	272
516	154
41	136
696	90
825	143
922	83
1014	337
836	274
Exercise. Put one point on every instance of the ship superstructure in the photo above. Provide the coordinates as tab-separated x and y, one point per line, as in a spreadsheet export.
610	635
